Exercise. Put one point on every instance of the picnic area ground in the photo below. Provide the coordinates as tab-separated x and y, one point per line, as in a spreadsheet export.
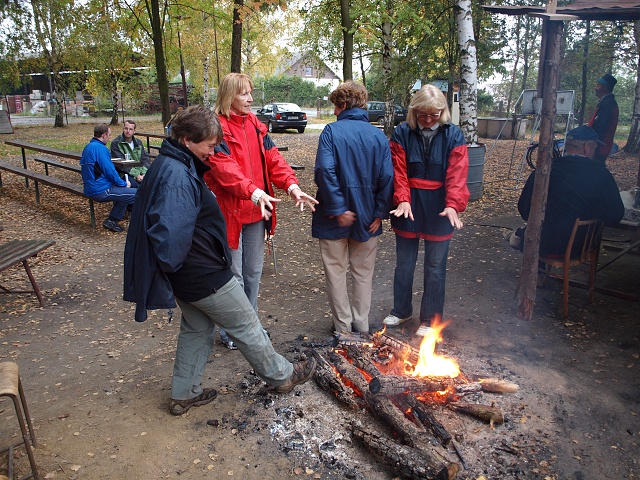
97	383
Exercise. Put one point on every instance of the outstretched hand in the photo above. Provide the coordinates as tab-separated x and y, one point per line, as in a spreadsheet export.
266	205
403	210
452	215
303	199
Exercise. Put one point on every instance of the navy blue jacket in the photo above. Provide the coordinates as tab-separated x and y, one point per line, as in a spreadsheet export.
578	188
353	172
177	233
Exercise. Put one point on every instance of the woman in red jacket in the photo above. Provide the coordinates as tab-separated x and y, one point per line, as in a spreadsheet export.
244	169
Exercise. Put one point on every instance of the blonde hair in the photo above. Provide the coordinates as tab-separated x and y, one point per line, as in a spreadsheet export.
428	97
231	85
350	94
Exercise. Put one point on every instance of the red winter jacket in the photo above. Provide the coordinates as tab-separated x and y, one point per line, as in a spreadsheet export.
238	168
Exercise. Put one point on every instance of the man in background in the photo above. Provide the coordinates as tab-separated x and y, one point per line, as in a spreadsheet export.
605	117
101	180
125	144
579	187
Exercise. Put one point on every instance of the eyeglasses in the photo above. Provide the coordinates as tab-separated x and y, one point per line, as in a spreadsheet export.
428	116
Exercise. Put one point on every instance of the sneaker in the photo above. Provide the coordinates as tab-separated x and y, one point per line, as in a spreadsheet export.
302	371
393	321
112	225
229	344
178	407
423	330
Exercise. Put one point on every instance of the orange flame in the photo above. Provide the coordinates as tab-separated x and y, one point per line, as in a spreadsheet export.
430	363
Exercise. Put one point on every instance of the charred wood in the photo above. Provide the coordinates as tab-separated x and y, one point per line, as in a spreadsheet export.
429	420
326	378
402	348
386	411
356	380
361	357
393	385
406	461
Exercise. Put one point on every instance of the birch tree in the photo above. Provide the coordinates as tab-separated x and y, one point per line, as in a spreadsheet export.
468	73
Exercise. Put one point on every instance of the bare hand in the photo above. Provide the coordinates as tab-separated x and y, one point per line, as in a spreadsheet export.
375	225
403	210
347	219
266	205
303	199
452	215
139	178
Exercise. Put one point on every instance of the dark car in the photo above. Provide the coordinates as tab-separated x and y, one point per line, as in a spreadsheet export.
376	113
280	116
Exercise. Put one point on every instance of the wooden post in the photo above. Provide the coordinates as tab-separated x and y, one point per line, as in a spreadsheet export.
548	87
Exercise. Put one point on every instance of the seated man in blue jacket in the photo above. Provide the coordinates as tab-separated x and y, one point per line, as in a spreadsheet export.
579	187
101	180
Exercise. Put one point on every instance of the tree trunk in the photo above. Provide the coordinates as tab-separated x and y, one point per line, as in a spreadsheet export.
468	73
236	37
387	73
161	66
347	37
515	67
585	65
548	91
205	82
633	141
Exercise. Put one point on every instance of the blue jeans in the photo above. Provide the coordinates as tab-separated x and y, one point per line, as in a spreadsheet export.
230	309
120	196
435	271
248	259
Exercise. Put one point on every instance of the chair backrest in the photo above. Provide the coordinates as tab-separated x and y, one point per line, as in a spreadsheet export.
584	241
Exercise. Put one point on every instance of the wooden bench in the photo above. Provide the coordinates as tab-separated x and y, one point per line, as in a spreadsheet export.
20	251
54	182
59	152
55	163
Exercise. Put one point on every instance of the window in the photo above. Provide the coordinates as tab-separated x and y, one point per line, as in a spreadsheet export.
308	71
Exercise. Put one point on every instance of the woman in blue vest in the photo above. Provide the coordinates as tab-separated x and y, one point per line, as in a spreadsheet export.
430	165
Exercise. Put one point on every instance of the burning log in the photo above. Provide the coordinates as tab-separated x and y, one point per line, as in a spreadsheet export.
405	460
428	420
488	413
327	379
356	379
361	357
393	385
402	348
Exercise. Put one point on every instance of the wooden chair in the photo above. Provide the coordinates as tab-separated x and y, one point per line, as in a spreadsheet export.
11	387
588	233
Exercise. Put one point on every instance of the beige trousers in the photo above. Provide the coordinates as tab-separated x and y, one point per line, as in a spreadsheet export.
338	257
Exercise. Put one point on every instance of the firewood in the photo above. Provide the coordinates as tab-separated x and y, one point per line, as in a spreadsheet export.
392	384
355	378
343	338
327	379
488	413
429	420
386	411
495	385
401	348
406	461
361	357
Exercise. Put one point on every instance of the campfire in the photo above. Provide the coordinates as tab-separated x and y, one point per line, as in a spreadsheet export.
403	386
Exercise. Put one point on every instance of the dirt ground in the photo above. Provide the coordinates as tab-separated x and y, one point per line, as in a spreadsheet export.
98	383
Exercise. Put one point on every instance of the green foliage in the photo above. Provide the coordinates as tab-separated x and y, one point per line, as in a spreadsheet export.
485	103
282	88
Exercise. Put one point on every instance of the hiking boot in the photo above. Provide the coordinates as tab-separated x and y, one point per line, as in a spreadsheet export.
112	225
178	407
302	371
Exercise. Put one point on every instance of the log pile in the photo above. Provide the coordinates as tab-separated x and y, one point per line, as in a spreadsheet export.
420	446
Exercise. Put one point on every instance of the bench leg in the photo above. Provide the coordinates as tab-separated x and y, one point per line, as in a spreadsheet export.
24	164
93	214
37	192
36	290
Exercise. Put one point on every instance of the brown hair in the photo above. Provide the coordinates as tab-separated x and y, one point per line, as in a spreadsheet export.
196	123
428	97
350	94
231	85
100	129
131	122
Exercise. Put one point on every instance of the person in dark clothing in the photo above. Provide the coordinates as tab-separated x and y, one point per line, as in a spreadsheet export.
579	187
177	252
354	175
605	117
128	144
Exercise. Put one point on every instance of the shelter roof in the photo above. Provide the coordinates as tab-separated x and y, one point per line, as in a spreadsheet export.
578	10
